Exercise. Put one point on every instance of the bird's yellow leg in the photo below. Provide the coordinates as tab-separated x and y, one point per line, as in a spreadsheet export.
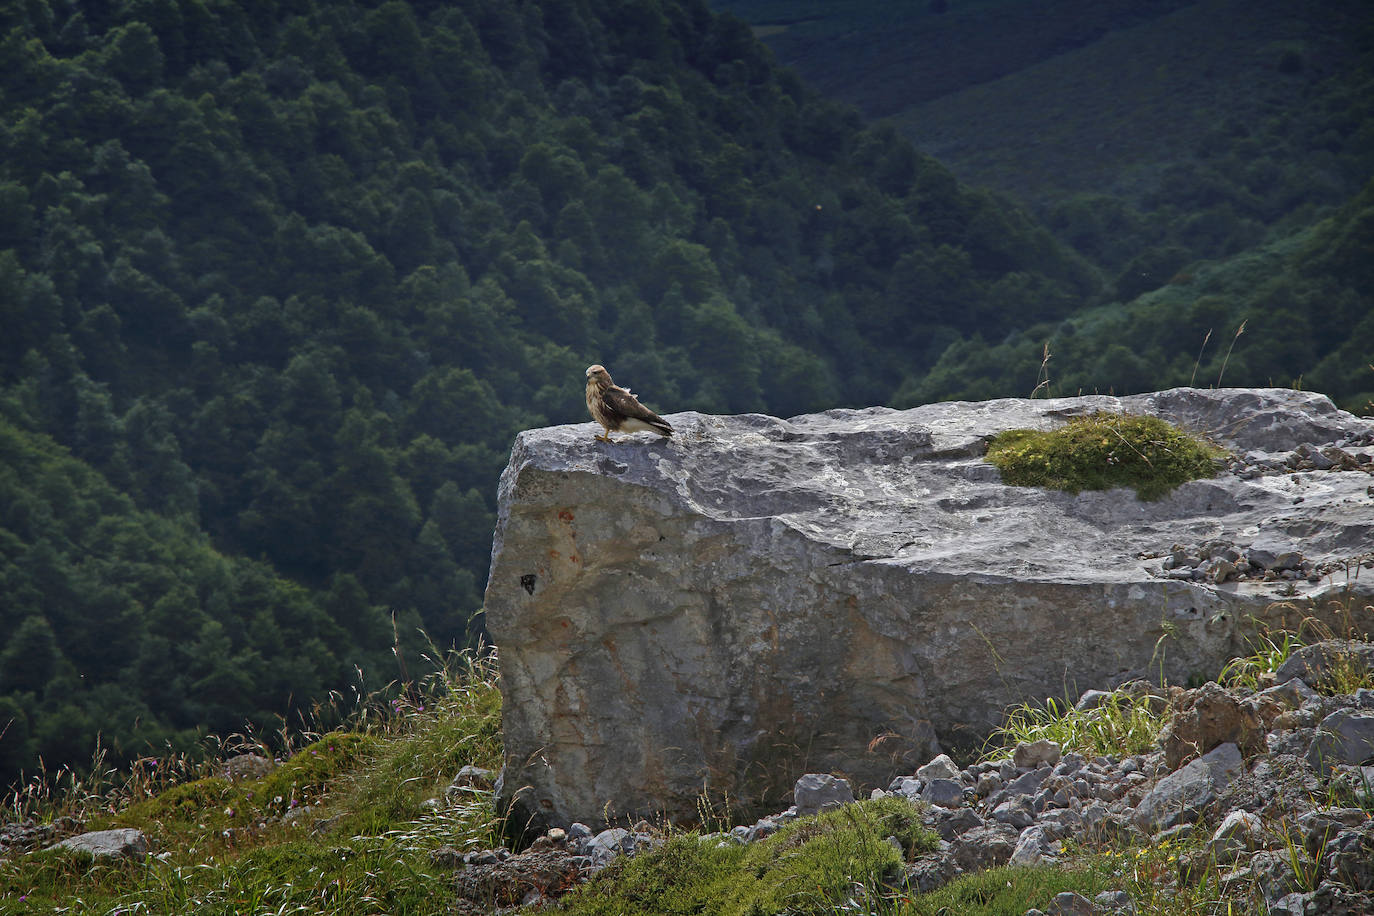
605	437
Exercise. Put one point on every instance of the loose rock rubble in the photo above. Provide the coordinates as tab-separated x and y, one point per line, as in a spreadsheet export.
1263	775
22	836
1350	454
552	866
1219	561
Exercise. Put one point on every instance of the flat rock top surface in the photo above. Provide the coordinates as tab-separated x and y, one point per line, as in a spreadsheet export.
911	487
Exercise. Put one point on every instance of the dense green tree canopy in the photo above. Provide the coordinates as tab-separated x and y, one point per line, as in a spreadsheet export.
284	281
280	282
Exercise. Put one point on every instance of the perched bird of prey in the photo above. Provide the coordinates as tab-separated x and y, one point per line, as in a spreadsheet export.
618	410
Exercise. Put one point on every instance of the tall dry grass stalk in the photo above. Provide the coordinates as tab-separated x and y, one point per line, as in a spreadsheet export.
1239	331
1042	378
1197	362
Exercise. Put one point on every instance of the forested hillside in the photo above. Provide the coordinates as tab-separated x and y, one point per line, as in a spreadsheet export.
1211	157
279	282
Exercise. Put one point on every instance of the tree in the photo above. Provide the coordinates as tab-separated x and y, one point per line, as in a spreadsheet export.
134	57
30	657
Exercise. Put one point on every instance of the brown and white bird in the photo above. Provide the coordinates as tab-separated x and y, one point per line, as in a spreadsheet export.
618	410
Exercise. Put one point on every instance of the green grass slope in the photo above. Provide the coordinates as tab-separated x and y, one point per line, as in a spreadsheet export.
355	822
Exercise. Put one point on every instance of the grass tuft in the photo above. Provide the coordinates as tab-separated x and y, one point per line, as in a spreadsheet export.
1268	652
1128	722
1010	891
1102	451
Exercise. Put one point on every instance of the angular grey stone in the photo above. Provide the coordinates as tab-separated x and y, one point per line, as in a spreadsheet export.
247	766
1273	872
947	793
1221	570
1115	902
1240	831
949	823
1015	812
701	604
121	842
1068	765
1292	692
1320	826
609	845
984	847
1069	904
1060	824
816	792
942	767
1175	834
1318	661
1183	794
1033	847
988	783
1345	736
1294	904
1349	857
929	872
1035	753
1028	783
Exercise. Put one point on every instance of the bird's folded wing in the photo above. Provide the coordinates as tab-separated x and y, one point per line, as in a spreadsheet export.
620	401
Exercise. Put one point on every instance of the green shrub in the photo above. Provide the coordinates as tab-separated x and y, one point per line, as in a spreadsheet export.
1102	451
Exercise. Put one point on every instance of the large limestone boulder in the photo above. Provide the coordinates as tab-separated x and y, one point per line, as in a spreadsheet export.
855	590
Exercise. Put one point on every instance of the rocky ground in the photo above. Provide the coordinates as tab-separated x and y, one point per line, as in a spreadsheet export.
1271	789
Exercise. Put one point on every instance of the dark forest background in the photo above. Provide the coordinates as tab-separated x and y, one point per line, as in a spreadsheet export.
280	281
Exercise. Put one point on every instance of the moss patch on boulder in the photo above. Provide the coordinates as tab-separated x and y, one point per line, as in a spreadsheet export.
1102	451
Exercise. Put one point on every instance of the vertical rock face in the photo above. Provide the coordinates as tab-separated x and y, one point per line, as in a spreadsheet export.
848	591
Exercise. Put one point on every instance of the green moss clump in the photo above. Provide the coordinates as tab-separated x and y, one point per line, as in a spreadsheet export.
181	802
811	866
1101	451
304	778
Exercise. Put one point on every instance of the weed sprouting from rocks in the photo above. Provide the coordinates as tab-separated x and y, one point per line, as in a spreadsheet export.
1126	722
